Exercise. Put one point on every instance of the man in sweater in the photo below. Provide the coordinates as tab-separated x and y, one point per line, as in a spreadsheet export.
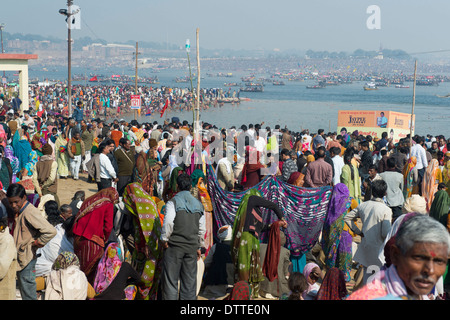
30	231
125	157
182	237
394	195
289	165
45	174
76	151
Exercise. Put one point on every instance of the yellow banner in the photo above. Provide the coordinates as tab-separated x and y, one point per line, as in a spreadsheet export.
374	123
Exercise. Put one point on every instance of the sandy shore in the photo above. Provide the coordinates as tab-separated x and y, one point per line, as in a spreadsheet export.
68	187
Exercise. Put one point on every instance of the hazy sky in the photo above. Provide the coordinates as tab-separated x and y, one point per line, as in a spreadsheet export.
333	25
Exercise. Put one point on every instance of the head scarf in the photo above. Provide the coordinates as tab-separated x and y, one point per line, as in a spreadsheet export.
415	203
336	241
22	150
108	268
146	236
408	177
339	203
440	207
224	233
173	178
333	286
310	158
429	185
293	177
196	175
384	253
241	291
97	200
64	260
309	267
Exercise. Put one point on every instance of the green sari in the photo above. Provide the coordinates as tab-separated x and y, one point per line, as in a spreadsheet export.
245	249
440	207
147	227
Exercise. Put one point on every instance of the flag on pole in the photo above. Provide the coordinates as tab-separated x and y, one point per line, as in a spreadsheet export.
165	107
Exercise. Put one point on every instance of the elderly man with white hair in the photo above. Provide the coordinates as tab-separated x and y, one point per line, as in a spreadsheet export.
418	254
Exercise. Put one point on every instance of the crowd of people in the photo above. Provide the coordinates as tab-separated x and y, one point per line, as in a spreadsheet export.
150	231
114	100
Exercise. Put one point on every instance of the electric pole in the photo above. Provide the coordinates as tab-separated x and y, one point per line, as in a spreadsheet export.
136	76
69	57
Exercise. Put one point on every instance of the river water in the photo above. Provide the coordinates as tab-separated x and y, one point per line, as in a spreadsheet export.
295	106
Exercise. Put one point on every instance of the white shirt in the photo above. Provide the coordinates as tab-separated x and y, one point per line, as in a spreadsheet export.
260	144
145	145
51	250
106	168
419	152
338	164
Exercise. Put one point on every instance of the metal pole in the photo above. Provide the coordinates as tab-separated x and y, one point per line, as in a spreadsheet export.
69	58
136	77
198	82
412	111
192	89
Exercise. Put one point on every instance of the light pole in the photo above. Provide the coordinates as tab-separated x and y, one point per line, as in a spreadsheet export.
67	12
188	49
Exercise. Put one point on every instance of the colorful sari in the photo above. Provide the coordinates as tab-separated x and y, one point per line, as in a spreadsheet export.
430	182
408	176
241	291
147	256
91	229
305	209
440	207
333	286
146	172
245	249
9	153
171	187
62	158
337	242
201	193
107	270
251	172
22	150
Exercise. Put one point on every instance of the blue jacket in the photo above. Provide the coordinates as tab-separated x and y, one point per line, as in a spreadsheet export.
78	114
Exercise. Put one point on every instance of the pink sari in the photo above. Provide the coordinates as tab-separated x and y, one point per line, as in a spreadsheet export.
107	270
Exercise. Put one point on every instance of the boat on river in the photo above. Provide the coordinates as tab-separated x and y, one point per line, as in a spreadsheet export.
370	86
316	86
252	89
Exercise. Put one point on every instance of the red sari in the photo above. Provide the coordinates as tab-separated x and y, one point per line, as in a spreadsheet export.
92	227
251	172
